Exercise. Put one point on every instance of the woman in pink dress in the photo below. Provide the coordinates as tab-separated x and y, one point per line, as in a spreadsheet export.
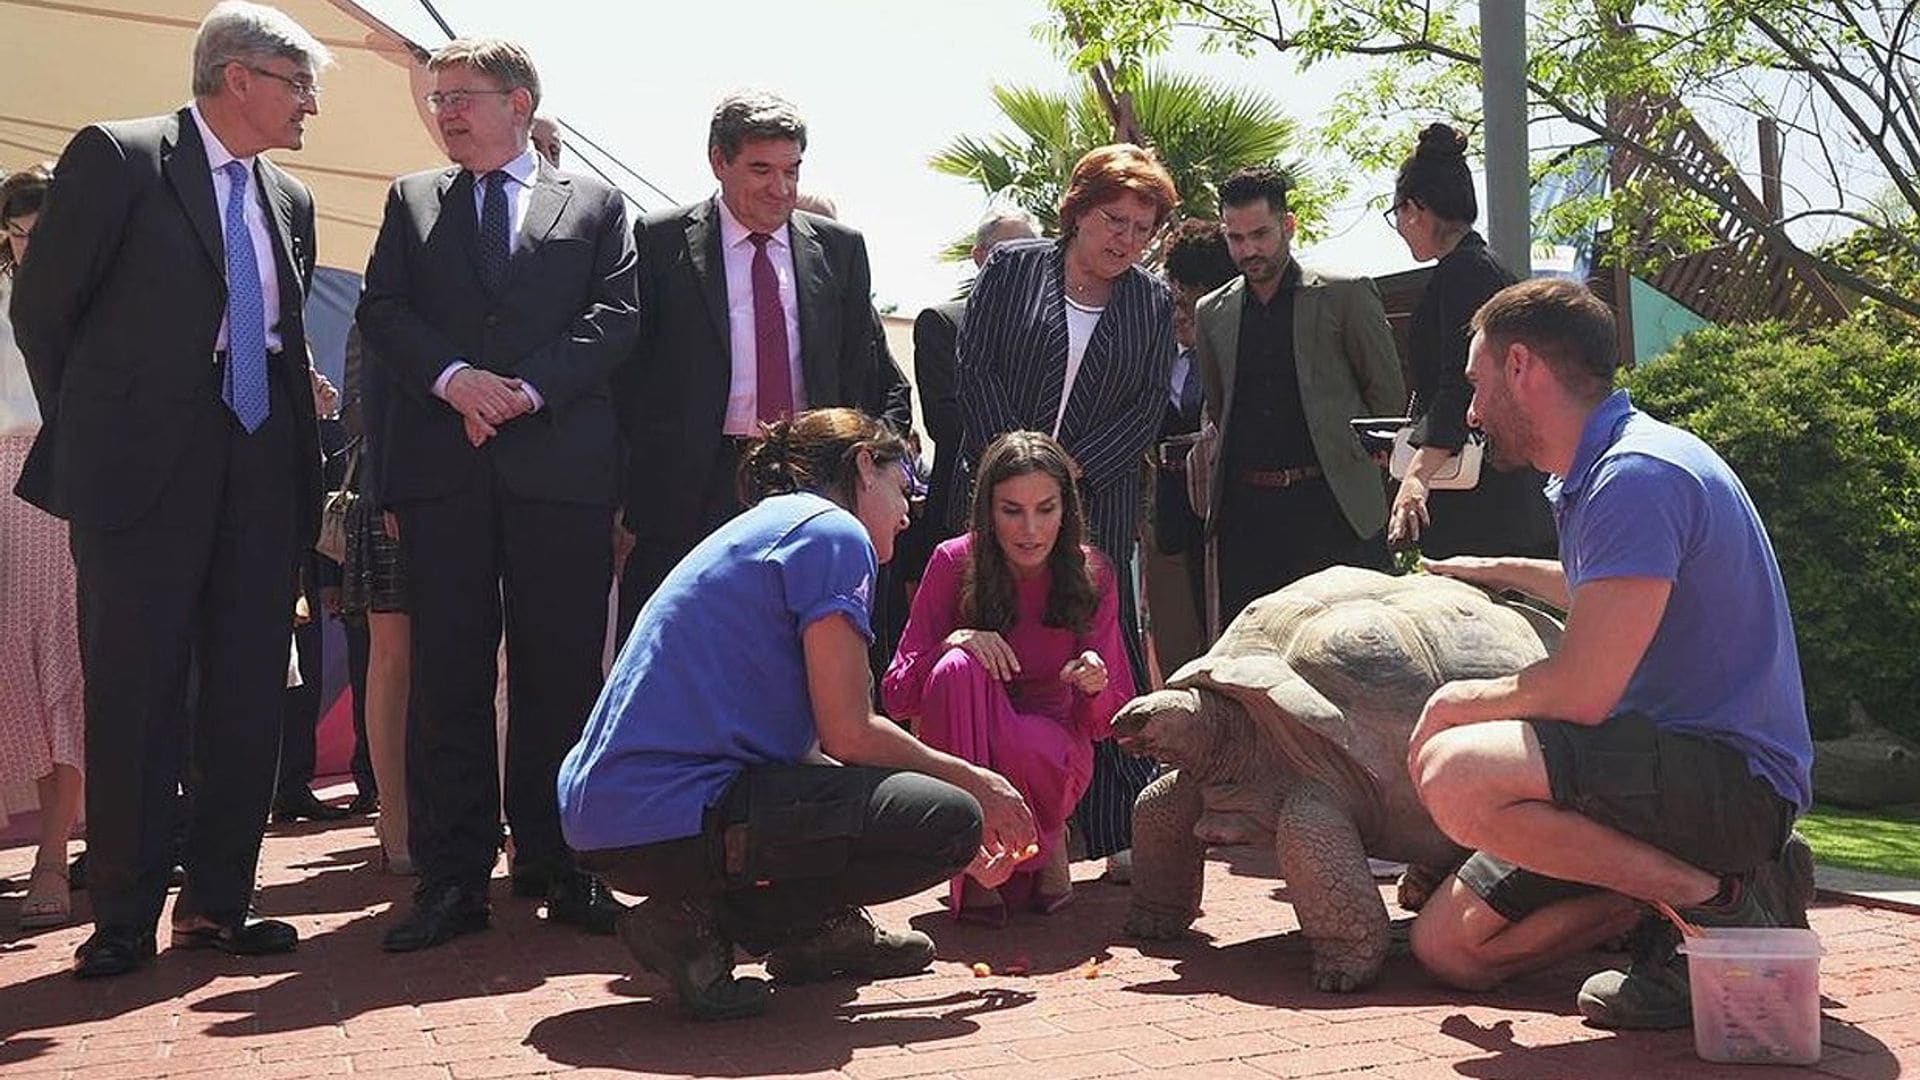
1012	657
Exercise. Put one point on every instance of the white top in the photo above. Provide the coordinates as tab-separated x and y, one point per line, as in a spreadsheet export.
256	219
19	412
743	403
1081	320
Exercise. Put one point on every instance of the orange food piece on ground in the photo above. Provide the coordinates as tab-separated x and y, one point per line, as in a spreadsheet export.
982	970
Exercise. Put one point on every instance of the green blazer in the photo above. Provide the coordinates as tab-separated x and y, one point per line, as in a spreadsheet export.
1348	368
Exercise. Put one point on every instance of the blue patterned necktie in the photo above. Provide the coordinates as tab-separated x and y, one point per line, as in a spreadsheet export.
245	387
493	233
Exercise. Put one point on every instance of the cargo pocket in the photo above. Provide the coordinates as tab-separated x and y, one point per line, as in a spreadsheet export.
800	824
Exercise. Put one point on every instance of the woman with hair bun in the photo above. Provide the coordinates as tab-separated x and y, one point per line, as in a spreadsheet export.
1013	656
733	771
1506	513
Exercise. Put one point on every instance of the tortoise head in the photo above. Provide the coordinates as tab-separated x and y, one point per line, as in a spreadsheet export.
1180	727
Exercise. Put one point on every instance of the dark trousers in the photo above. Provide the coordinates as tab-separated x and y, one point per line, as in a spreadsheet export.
657	552
204	577
478	557
302	713
1272	537
789	845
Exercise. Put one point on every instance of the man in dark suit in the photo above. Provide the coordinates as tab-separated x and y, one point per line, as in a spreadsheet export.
160	319
1288	356
750	311
499	300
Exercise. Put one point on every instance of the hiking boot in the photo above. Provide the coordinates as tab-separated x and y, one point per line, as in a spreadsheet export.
849	943
1652	994
1785	885
680	940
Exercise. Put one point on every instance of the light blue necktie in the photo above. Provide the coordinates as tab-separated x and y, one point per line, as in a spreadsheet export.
245	387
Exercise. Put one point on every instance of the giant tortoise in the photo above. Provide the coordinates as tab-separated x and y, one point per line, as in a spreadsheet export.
1292	730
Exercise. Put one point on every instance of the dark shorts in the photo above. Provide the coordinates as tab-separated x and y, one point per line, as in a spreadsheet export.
1689	796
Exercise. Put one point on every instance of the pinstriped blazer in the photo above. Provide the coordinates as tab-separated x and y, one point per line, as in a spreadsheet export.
1012	363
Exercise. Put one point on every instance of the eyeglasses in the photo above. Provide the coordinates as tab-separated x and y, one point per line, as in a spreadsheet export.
303	89
16	231
1119	226
915	486
1392	213
455	100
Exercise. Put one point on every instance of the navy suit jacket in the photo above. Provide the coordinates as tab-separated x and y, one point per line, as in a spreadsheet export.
118	309
564	320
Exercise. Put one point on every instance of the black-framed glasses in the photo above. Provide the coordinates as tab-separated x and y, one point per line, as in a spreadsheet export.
303	89
1392	213
455	100
17	231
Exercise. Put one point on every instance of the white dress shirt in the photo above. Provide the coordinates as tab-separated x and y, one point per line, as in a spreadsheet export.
518	188
743	412
256	219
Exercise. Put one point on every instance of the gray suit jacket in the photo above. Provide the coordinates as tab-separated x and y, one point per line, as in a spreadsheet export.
1347	366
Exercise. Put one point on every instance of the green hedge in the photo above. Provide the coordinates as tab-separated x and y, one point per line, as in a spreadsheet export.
1823	426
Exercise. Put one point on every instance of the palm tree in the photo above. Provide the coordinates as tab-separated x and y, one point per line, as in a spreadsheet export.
1200	130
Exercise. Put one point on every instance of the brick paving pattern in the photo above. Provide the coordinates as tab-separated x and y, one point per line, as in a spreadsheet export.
524	999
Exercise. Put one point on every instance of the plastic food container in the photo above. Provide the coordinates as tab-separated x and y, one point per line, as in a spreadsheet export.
1756	995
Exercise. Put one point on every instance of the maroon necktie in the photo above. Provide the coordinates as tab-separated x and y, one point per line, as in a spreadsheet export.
774	385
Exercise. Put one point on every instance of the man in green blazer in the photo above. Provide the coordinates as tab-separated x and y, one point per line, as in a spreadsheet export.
1288	356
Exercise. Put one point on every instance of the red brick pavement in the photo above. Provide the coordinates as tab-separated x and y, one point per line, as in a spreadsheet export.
524	999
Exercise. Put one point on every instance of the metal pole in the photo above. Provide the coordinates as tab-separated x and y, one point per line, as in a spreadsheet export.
1503	90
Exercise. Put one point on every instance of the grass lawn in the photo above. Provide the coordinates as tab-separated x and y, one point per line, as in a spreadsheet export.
1885	841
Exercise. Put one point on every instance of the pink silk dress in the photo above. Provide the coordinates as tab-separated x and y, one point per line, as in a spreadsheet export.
1034	730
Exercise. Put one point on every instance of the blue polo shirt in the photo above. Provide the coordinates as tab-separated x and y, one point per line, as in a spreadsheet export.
713	677
1646	499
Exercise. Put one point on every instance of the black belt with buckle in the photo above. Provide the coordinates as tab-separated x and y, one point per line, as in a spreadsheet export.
1278	478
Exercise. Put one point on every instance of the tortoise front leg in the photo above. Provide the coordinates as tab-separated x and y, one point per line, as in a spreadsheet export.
1333	893
1168	859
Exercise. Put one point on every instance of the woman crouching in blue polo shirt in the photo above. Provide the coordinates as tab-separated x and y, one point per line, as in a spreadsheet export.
733	770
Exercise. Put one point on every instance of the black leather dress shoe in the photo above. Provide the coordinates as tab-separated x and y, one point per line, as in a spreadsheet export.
440	914
236	937
364	803
113	950
301	804
581	900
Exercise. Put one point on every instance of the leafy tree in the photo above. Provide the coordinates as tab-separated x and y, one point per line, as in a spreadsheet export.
1200	130
1823	427
1837	74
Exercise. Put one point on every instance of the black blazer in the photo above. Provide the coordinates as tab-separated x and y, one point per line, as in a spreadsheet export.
1012	364
118	309
564	321
936	334
673	394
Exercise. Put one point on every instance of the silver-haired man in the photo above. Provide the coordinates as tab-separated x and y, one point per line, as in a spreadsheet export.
160	318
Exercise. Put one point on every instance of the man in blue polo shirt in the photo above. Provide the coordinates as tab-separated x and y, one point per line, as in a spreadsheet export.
1665	751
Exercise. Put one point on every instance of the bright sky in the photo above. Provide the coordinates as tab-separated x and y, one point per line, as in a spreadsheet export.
883	85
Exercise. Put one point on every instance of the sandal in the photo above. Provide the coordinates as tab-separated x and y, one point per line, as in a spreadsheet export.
46	905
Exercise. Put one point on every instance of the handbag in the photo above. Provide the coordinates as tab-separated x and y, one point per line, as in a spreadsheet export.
334	508
1202	458
1460	472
